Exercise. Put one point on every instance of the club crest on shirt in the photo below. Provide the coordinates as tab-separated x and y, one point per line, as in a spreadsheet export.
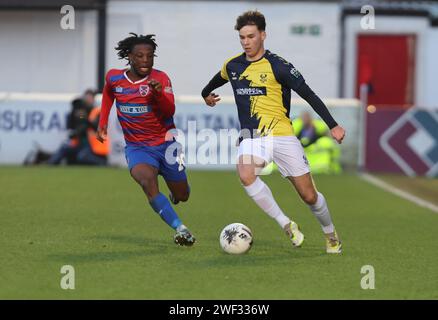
263	77
144	90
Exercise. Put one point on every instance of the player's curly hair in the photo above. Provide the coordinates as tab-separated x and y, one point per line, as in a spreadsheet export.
251	18
125	46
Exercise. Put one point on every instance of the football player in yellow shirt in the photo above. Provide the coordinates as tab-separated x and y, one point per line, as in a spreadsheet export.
262	84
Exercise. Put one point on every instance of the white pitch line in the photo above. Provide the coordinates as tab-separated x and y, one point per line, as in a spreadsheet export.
402	194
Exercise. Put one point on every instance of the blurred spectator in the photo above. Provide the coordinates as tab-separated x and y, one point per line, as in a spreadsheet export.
309	130
82	146
321	150
94	152
89	98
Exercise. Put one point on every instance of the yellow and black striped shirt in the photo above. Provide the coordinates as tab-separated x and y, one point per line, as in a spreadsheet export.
262	91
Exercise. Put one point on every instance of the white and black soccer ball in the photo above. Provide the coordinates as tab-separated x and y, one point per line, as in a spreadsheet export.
236	238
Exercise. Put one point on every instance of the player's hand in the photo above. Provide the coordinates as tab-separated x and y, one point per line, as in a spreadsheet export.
155	85
102	134
338	133
212	99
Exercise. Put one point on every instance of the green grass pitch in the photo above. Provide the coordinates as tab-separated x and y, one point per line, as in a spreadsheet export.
98	221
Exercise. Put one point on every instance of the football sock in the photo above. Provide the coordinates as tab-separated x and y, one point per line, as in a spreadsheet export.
321	212
162	206
262	195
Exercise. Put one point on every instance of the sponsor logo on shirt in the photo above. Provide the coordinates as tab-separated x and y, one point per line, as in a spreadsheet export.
134	110
252	91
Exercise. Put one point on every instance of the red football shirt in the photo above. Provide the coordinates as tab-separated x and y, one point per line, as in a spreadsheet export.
144	114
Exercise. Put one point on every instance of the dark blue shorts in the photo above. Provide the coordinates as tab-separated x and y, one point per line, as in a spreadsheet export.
166	157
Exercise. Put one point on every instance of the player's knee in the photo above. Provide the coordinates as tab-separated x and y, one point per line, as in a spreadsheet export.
309	198
247	179
247	175
149	187
144	183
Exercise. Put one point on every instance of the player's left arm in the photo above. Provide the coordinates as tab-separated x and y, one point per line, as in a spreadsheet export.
163	93
305	92
290	77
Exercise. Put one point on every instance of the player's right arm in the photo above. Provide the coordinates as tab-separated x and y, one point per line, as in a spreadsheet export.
107	103
217	81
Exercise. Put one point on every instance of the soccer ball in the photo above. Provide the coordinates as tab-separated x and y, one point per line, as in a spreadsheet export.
236	238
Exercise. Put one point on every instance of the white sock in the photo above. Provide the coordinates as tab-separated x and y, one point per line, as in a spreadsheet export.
262	195
321	212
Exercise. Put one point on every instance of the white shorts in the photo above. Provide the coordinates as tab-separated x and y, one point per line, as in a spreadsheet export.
286	151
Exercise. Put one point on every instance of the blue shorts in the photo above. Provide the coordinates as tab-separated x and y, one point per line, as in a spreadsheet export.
166	157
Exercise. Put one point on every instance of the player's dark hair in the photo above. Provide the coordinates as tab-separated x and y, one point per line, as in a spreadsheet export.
125	46
251	18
